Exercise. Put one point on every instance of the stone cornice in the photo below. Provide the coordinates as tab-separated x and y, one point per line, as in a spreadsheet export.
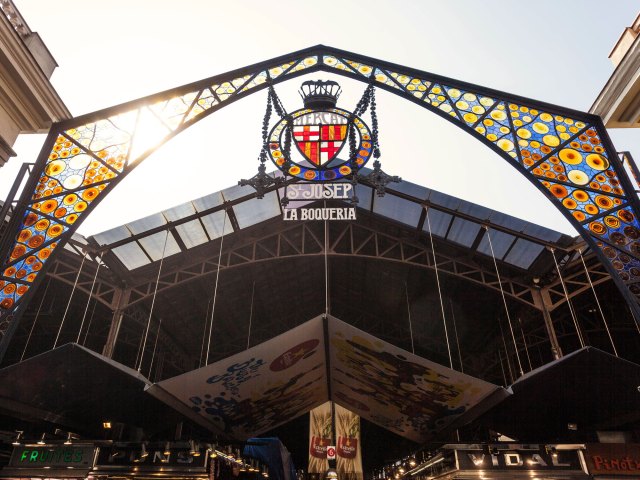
619	101
27	94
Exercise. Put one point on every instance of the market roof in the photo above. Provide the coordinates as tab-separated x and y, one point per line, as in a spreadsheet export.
515	242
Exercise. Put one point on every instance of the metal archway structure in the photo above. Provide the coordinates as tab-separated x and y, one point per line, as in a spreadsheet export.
565	153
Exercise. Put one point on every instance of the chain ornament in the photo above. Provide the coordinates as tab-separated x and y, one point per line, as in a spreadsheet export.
262	181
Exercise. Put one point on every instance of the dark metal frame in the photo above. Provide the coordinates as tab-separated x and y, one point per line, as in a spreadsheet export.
250	79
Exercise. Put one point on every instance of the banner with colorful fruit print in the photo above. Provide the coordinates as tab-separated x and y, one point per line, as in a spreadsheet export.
260	388
320	436
399	391
348	446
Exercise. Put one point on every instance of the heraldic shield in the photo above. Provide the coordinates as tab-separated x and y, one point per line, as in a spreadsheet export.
320	143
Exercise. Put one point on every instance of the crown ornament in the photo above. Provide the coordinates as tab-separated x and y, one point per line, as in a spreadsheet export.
320	94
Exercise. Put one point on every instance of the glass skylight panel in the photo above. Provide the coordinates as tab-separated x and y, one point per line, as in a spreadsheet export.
113	235
439	222
131	255
179	212
398	209
542	233
214	222
257	210
523	253
364	197
507	221
501	242
210	201
444	200
411	189
236	192
154	245
147	223
463	232
476	211
192	233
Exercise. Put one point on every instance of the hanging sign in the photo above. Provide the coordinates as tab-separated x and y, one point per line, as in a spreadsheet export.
319	438
331	452
310	192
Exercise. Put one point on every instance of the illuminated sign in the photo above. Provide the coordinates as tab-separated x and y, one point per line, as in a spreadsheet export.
129	457
52	457
517	459
613	459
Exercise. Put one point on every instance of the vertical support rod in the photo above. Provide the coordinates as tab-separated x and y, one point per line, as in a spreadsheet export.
406	291
120	301
542	299
566	295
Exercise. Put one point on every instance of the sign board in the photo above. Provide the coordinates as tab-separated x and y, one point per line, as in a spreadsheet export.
515	459
300	195
128	457
613	459
331	452
59	456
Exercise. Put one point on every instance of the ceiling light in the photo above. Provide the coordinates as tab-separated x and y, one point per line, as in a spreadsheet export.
106	424
213	452
19	434
194	449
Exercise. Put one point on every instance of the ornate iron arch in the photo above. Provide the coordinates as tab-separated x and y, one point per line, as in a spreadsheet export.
565	153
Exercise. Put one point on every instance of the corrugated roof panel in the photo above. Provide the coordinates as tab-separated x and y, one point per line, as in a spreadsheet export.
192	233
439	222
154	245
501	242
214	222
113	235
398	209
131	255
257	210
463	232
147	223
523	253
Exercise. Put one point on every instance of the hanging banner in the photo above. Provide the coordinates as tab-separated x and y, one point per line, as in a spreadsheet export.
399	391
349	461
260	388
319	438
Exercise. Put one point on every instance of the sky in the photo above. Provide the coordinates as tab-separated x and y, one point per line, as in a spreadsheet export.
111	52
